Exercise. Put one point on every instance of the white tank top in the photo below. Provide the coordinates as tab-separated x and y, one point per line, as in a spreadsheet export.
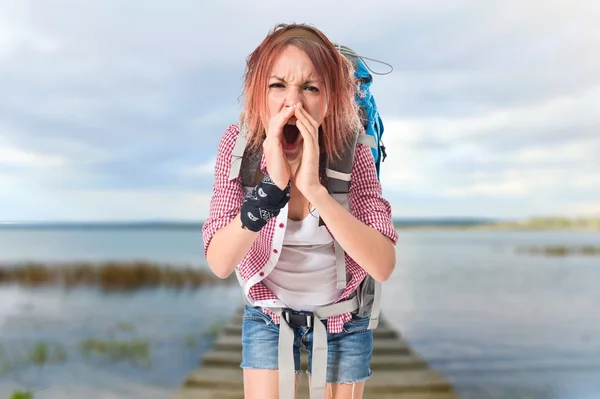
305	276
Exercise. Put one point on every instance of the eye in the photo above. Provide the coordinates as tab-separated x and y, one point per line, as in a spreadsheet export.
312	88
275	85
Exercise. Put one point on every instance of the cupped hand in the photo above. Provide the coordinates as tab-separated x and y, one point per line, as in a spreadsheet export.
277	164
307	177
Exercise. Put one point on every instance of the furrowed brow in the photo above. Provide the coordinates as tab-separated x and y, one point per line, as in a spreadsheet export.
309	81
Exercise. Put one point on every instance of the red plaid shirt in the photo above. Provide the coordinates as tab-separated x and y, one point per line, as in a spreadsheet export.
366	204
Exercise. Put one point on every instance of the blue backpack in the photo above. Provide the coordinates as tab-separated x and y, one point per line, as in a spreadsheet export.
371	118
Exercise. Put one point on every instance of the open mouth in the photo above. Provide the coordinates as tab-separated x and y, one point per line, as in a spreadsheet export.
291	134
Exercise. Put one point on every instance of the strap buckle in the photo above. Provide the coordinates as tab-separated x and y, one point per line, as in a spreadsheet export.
298	318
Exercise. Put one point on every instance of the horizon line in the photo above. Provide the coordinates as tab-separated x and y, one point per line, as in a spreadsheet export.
200	221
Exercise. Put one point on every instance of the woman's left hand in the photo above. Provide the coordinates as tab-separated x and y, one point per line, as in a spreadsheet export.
307	177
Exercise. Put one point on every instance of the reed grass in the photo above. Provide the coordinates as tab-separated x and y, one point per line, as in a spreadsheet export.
135	350
190	340
215	329
108	276
21	395
39	354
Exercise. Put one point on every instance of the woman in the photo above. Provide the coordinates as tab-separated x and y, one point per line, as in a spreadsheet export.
285	235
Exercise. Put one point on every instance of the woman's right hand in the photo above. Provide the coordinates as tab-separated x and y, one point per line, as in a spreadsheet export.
277	164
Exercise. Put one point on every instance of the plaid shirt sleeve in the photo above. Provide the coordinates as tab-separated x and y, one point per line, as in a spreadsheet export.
228	195
365	196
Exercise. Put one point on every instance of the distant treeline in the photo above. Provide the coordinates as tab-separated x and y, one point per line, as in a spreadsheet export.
561	250
536	223
551	223
434	222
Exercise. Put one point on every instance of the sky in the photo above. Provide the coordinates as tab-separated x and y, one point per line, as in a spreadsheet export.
113	110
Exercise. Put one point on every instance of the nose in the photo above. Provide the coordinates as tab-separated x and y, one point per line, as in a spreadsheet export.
293	95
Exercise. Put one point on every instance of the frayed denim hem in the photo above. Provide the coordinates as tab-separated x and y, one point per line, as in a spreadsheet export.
348	382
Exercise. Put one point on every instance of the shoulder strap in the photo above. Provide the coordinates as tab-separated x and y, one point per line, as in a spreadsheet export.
338	175
367	140
339	172
244	163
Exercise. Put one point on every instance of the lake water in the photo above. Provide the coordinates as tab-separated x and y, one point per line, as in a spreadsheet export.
495	322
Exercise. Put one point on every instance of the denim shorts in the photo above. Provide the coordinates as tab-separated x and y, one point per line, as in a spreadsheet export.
349	352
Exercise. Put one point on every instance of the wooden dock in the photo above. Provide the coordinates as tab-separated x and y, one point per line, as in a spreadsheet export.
398	372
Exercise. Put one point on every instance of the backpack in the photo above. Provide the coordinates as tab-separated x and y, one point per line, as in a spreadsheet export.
368	108
246	165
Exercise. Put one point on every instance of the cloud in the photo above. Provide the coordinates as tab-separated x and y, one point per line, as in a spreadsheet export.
15	38
583	208
135	205
30	204
15	156
541	156
207	168
491	108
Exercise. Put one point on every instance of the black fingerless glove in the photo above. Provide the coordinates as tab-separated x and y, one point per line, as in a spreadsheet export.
263	203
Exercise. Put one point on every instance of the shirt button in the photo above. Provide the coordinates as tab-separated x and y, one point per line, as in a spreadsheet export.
281	225
275	251
262	274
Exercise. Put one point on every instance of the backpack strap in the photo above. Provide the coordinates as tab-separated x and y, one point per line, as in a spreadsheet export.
339	173
244	163
237	155
367	140
375	306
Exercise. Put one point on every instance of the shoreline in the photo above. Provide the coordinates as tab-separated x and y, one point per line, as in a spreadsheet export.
591	223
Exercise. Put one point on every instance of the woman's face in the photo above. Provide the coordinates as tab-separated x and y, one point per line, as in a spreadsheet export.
293	80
